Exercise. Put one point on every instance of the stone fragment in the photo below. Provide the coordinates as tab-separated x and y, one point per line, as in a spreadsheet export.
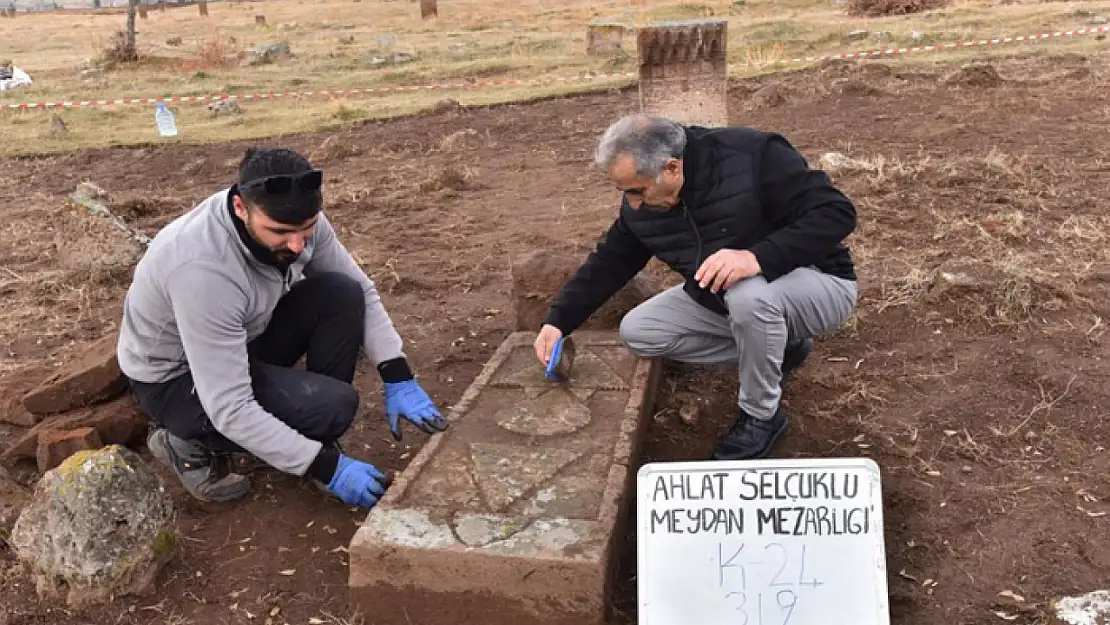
767	96
55	446
93	375
957	277
13	497
684	72
99	526
1092	608
117	422
503	519
835	162
538	277
13	412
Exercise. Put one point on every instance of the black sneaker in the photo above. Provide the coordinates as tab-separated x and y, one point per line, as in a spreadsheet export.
205	475
750	438
795	354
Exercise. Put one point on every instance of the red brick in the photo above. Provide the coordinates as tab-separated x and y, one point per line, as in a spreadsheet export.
57	445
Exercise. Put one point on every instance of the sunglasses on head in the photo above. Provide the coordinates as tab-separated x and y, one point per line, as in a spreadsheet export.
310	180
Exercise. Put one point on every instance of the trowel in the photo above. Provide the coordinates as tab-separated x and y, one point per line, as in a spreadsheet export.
561	362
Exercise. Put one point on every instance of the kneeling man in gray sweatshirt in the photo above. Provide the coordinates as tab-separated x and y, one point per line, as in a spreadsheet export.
226	300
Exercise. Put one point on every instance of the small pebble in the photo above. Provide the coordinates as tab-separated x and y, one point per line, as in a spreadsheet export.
688	414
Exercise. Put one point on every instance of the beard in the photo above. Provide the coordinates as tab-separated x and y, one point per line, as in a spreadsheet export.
280	254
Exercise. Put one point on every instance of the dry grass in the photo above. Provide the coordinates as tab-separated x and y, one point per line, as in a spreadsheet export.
1002	267
357	43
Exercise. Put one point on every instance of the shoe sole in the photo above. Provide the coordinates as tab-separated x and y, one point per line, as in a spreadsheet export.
779	433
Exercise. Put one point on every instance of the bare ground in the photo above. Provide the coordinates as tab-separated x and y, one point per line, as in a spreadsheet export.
982	405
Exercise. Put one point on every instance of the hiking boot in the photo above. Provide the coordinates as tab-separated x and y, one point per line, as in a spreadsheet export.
795	354
205	475
750	438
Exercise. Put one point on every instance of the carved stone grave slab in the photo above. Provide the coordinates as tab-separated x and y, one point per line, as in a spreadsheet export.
684	71
510	515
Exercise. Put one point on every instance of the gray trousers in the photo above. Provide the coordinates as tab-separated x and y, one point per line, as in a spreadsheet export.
762	317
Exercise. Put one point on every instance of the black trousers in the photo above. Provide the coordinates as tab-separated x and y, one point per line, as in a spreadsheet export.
321	318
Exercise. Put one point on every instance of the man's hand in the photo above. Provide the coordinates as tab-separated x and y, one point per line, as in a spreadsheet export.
725	268
408	399
545	343
357	483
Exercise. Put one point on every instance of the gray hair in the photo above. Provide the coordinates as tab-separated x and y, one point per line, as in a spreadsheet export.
650	141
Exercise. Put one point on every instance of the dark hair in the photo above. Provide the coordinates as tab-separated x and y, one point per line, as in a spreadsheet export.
292	208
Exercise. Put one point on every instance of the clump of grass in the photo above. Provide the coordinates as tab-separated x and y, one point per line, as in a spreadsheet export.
211	53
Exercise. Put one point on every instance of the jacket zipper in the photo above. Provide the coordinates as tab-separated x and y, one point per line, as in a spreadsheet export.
697	236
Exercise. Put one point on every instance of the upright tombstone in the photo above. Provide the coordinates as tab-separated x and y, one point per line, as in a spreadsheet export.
604	38
513	514
203	7
684	71
142	10
260	19
428	9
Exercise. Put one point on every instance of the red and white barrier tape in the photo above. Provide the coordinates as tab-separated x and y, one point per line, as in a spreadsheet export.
325	92
959	44
547	81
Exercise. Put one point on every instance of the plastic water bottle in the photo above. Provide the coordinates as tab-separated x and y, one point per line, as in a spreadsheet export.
166	126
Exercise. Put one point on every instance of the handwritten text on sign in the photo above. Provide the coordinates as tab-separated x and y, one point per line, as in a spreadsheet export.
794	542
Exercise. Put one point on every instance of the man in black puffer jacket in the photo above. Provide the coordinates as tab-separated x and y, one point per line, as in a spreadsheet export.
757	235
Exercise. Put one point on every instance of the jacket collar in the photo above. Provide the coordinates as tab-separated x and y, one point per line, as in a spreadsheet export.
696	169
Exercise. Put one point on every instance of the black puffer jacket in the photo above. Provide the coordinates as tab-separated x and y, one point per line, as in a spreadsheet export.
743	189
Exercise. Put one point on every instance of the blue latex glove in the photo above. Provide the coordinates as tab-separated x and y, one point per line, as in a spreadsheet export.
357	483
409	400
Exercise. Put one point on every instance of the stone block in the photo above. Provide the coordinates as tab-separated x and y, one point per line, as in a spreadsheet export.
684	71
538	277
92	375
512	515
604	38
428	9
57	445
117	422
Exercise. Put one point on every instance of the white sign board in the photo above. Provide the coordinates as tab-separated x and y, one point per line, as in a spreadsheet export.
765	542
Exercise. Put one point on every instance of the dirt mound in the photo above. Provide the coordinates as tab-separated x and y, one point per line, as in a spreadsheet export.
974	75
92	249
852	68
853	87
879	8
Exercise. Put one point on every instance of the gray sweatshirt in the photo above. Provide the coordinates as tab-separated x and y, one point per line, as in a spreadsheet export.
199	296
